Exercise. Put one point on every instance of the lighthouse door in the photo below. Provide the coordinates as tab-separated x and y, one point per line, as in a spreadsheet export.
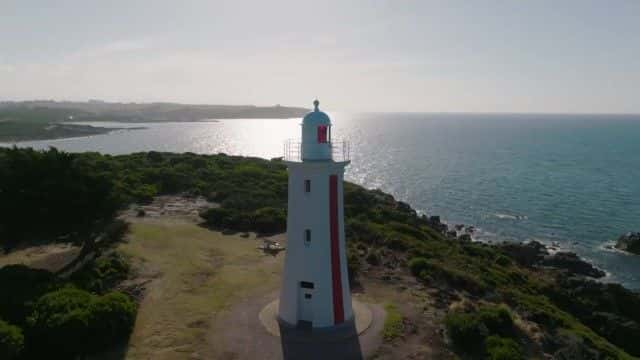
305	304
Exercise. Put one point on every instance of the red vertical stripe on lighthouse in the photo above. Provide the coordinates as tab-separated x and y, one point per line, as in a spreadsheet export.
336	277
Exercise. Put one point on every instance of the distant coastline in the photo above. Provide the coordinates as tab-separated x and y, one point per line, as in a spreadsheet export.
31	132
46	120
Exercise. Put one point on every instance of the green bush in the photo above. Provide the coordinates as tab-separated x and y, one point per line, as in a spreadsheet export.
373	258
227	219
269	220
353	265
55	191
417	265
103	273
113	316
20	287
393	325
503	260
466	332
11	341
469	331
499	348
70	322
457	276
497	319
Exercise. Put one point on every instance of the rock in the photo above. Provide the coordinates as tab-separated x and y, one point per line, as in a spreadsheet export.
573	264
452	234
464	238
527	254
406	208
459	227
470	229
435	223
629	242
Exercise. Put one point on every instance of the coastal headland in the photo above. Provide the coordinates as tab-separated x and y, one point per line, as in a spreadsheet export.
188	255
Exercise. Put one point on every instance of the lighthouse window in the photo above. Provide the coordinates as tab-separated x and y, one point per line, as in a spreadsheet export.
306	285
322	134
307	236
307	186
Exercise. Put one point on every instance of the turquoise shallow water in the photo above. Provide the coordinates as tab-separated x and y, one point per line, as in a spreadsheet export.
574	179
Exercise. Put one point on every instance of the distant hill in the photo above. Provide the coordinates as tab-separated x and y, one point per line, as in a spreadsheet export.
38	120
94	110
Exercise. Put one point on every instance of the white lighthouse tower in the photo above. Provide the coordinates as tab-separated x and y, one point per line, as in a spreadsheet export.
315	289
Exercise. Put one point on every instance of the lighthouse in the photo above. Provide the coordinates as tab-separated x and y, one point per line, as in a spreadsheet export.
315	285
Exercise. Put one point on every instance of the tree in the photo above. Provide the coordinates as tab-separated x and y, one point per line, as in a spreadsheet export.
49	195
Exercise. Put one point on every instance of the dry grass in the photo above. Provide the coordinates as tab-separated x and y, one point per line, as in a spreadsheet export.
197	273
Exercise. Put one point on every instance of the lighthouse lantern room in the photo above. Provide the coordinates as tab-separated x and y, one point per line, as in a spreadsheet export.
315	286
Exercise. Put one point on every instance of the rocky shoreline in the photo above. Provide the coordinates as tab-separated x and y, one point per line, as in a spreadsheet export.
529	254
629	242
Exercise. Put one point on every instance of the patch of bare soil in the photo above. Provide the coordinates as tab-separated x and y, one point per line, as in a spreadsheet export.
177	206
52	257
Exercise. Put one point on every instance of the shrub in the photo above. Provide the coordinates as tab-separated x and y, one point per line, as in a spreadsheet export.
499	348
11	341
393	325
353	265
103	273
373	258
70	322
20	286
269	220
397	243
503	260
497	319
466	332
112	318
417	265
60	322
227	219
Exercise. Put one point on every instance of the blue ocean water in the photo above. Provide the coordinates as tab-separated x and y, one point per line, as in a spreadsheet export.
571	179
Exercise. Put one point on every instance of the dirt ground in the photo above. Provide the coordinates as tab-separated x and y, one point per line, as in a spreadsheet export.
52	257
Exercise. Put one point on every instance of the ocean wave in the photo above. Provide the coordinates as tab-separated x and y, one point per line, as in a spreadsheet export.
510	217
610	246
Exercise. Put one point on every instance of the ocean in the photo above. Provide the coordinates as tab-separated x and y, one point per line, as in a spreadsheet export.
573	180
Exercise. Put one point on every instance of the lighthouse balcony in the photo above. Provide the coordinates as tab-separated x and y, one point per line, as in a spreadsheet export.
335	150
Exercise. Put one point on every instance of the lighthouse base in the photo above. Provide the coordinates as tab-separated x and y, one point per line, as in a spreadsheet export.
360	322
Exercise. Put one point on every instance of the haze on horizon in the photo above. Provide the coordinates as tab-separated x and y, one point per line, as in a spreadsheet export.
454	56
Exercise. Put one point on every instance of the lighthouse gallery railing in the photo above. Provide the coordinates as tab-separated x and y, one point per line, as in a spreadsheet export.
340	150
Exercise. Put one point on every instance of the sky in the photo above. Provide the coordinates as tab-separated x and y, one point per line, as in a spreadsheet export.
568	56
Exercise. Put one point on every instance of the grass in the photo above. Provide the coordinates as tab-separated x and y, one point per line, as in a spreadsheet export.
392	324
199	273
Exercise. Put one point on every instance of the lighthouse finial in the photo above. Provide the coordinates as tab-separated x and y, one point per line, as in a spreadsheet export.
316	103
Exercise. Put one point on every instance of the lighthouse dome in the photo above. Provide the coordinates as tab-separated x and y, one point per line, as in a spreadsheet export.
316	135
316	117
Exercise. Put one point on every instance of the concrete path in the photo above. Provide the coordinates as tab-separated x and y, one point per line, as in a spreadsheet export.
239	334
